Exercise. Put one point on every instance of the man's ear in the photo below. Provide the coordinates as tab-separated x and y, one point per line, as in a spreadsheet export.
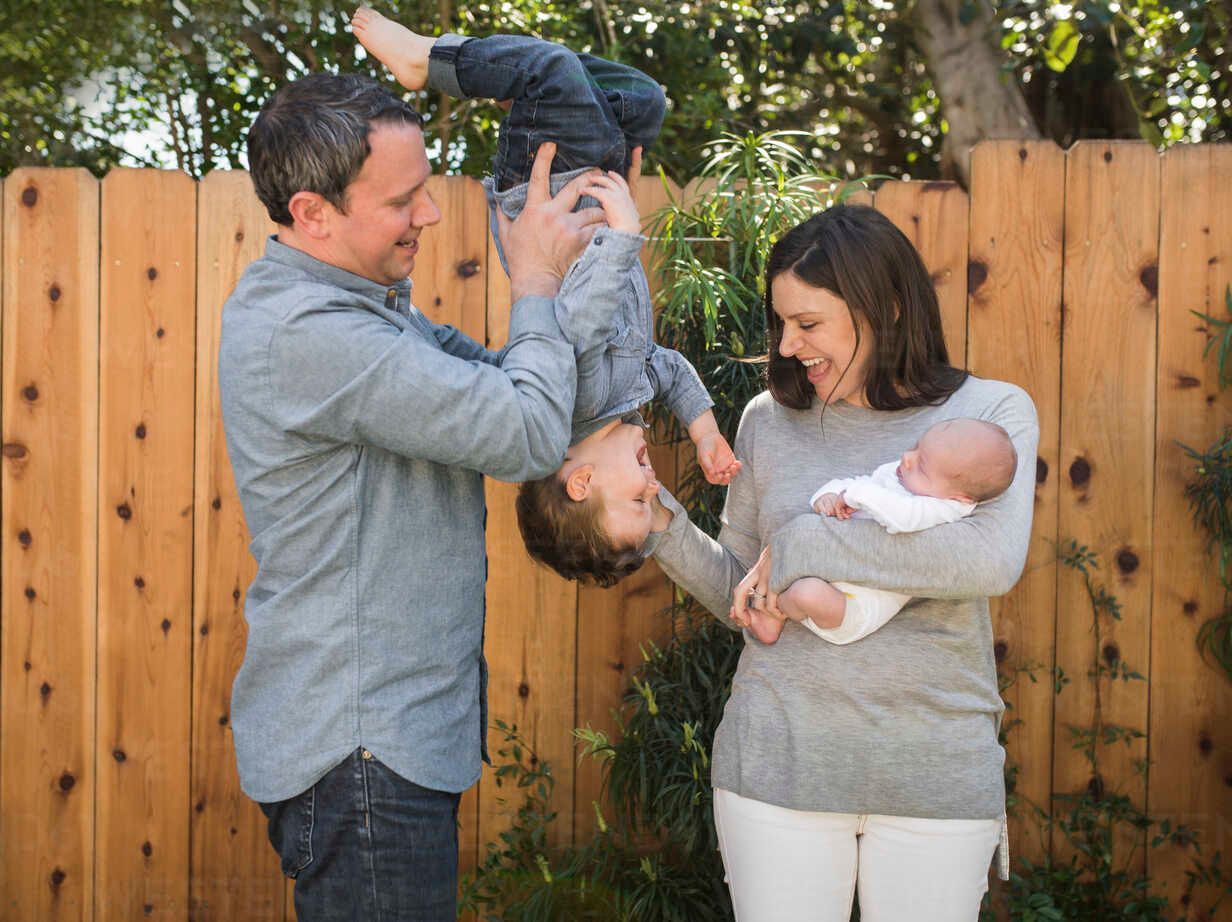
311	213
577	482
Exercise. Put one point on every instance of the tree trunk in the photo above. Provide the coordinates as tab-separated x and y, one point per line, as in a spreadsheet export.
979	98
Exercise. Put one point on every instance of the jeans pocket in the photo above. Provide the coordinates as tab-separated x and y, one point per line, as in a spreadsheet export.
290	830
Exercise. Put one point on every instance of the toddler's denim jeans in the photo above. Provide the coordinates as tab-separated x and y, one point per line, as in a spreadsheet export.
595	110
365	844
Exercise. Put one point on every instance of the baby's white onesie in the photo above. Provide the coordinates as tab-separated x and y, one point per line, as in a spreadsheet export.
880	496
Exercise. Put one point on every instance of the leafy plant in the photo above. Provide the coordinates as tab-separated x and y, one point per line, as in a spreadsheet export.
1210	496
1099	879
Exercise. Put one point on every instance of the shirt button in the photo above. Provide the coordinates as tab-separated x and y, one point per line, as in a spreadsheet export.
367	755
393	292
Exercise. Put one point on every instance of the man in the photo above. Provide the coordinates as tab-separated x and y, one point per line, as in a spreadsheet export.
359	432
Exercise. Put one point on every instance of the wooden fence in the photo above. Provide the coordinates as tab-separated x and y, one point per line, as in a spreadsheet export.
123	553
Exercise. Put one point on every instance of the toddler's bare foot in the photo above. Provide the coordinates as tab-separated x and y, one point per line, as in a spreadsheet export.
395	46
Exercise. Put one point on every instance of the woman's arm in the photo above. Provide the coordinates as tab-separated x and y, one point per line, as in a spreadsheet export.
705	568
981	555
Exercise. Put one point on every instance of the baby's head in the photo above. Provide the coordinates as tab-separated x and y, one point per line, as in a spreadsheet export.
969	460
589	520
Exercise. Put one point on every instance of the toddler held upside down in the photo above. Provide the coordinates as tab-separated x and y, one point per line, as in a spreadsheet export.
589	520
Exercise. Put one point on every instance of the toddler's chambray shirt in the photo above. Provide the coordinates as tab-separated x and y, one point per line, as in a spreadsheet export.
358	432
605	310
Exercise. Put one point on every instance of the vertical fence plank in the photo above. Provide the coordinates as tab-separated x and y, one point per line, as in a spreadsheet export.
49	538
1107	444
613	624
450	286
449	280
1014	334
933	215
147	343
234	870
531	640
1191	700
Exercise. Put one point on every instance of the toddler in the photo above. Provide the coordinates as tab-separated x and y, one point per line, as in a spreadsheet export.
589	520
956	465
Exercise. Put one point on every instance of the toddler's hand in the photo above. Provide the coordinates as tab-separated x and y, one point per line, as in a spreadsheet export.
618	206
833	504
717	460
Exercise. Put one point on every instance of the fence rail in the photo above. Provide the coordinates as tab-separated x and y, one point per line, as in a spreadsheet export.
123	552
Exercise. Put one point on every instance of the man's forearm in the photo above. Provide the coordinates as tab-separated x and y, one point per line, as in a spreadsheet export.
540	284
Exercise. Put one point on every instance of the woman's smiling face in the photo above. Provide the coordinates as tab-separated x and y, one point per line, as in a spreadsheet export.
818	332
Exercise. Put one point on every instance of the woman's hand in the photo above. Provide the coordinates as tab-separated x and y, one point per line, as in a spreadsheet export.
753	592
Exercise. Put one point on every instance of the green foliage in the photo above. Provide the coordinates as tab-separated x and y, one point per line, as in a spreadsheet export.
105	82
1093	872
1209	492
1155	69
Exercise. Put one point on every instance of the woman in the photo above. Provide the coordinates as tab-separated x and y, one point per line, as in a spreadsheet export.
875	766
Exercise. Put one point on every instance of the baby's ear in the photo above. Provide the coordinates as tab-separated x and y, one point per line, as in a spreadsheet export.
963	498
577	483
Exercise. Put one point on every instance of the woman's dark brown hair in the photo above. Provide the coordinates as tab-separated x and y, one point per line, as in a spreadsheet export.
857	254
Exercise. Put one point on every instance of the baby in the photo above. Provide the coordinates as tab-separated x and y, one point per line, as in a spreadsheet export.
589	520
956	465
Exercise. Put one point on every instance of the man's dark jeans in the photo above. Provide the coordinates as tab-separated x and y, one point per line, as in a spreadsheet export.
364	844
595	110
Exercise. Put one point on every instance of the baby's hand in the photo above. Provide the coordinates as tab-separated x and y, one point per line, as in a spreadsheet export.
717	460
613	194
833	504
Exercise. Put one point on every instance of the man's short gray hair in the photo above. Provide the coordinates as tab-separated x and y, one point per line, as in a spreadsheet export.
312	136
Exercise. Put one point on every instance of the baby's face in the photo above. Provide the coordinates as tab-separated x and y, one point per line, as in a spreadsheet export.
929	468
625	483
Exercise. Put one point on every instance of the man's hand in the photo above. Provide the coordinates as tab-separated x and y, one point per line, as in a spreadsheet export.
635	167
548	235
833	504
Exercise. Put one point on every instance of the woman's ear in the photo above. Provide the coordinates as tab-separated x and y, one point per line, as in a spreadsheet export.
577	482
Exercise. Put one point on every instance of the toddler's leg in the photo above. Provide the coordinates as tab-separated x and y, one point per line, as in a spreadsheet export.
394	45
554	98
637	100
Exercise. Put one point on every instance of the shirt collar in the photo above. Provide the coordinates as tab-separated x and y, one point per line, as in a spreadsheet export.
348	281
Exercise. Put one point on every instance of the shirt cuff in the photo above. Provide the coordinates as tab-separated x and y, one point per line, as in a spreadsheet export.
680	520
443	64
534	314
615	246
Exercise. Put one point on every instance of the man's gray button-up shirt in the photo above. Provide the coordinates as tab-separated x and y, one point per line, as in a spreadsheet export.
358	432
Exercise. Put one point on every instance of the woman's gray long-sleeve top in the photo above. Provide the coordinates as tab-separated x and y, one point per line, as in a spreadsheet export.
904	722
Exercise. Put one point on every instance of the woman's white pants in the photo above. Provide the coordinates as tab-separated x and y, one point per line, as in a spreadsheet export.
794	866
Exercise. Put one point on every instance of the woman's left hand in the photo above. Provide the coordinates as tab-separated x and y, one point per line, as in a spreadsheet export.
754	592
